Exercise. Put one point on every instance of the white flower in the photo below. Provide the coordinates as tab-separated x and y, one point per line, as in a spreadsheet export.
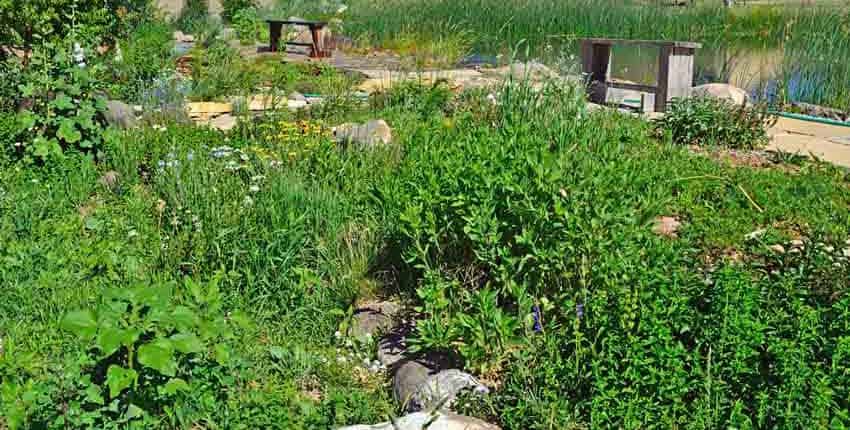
341	359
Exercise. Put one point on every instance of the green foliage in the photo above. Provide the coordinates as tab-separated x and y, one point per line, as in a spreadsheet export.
144	57
231	8
220	72
27	23
413	96
194	17
63	107
249	27
153	351
714	122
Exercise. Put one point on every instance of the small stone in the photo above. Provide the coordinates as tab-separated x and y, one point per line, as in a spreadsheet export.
368	135
779	249
295	95
296	104
846	252
753	235
120	114
667	226
829	248
111	180
224	122
797	243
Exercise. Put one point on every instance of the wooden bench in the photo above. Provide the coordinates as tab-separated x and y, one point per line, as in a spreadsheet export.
675	69
316	47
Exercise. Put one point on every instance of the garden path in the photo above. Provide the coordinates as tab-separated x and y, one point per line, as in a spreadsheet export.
828	142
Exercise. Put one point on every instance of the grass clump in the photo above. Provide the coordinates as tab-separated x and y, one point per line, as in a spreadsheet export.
705	121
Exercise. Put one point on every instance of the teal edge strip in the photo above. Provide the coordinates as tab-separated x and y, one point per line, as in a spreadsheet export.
811	118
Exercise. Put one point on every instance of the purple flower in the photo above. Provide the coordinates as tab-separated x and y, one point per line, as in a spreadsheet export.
579	310
538	318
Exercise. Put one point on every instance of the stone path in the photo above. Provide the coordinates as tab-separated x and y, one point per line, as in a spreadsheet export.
828	142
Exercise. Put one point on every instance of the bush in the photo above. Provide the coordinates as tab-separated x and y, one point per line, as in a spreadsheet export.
231	7
248	26
145	55
707	121
62	106
29	22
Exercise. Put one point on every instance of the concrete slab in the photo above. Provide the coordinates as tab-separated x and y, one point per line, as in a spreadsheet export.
828	142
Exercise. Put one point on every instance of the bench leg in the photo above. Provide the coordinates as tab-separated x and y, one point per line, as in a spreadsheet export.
315	50
596	66
274	36
675	75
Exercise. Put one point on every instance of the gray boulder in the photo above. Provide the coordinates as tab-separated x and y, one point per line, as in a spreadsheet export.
439	391
120	114
728	92
407	379
369	135
429	421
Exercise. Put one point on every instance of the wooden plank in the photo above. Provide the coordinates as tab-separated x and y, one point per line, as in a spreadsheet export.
318	24
631	86
596	65
675	75
659	43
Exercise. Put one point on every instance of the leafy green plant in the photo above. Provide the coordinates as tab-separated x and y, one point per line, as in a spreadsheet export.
63	106
426	99
143	58
146	350
248	26
231	8
708	121
194	17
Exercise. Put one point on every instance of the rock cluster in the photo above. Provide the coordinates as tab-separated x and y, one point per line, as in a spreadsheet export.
424	384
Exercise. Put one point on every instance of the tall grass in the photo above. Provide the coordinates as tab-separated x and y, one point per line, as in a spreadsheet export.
816	40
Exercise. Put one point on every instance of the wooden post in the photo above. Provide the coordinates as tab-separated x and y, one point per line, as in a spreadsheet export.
675	75
596	65
274	35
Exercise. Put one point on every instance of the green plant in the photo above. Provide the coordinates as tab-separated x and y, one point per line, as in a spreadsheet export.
63	106
143	58
194	17
414	96
248	26
146	350
231	8
708	121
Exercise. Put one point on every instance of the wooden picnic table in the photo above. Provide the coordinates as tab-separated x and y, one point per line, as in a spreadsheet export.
675	69
316	46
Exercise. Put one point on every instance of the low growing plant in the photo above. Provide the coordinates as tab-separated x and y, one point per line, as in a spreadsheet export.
707	121
145	349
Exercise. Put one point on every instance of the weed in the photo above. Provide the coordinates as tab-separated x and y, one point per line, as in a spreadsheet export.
713	122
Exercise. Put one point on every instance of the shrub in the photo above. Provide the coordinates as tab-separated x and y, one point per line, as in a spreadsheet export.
62	105
248	26
709	121
29	22
145	55
145	350
230	8
194	17
414	96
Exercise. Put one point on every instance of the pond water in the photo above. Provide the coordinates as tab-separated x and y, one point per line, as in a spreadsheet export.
755	70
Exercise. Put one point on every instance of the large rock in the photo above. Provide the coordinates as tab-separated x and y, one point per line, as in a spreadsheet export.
429	421
371	134
373	319
224	122
120	114
531	70
440	390
407	379
723	92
